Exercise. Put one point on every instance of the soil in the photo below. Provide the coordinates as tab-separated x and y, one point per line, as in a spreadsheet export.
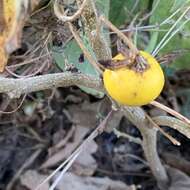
45	118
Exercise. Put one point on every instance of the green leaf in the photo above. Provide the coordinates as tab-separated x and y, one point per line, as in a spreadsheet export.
153	41
178	3
162	10
181	39
123	11
103	6
70	54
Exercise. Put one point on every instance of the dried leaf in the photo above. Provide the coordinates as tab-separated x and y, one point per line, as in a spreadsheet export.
13	14
85	164
179	180
74	182
32	178
68	149
12	17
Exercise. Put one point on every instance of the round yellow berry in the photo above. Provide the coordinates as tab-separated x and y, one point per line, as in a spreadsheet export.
133	88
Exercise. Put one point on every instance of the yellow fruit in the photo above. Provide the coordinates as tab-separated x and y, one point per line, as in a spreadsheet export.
130	87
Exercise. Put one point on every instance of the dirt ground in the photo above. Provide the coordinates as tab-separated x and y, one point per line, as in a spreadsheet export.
44	128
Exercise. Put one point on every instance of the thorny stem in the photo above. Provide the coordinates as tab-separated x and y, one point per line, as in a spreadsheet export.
120	34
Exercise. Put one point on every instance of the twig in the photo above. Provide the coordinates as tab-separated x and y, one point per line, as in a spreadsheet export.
39	70
170	111
150	149
17	108
66	138
16	87
173	123
29	61
65	18
85	51
120	34
129	137
136	158
174	141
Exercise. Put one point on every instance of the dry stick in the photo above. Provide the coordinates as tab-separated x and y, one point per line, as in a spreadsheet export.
16	87
72	18
171	111
173	140
28	61
127	136
173	123
17	108
75	154
120	34
85	51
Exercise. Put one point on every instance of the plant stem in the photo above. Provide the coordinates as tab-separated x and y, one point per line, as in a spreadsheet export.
150	150
137	116
16	87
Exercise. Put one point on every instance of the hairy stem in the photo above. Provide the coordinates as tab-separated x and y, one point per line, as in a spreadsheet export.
15	87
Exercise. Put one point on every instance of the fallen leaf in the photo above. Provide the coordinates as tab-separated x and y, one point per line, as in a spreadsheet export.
84	114
179	180
74	182
32	178
85	164
62	154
